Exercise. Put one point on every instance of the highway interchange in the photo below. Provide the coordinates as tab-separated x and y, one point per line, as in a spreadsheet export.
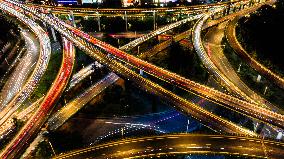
126	66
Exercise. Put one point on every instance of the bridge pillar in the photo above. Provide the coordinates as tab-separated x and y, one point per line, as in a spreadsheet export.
99	21
258	78
187	125
225	12
126	22
234	9
239	69
118	42
154	17
228	10
53	34
141	72
72	18
265	90
251	3
279	136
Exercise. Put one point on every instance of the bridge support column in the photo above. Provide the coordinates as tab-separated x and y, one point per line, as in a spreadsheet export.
126	22
251	3
99	21
228	10
53	34
258	78
265	90
225	12
234	10
279	136
118	42
154	17
239	69
187	125
141	72
72	18
240	7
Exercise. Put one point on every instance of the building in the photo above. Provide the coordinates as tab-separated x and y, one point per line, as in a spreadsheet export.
67	2
126	3
92	1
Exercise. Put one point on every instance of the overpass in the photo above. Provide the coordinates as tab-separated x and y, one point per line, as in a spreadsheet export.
181	144
62	10
66	112
277	118
192	109
187	107
150	35
163	45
